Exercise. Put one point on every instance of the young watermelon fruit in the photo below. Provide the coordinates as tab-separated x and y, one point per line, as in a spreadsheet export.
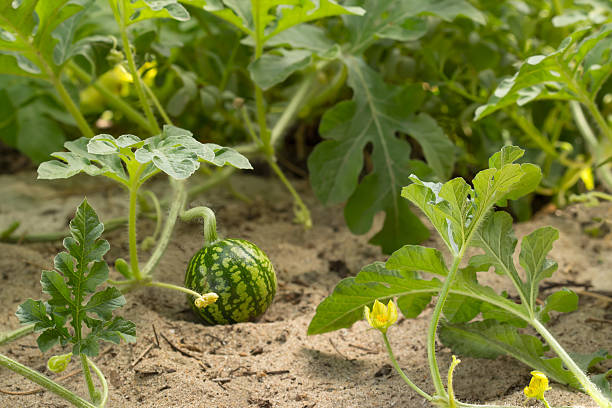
237	271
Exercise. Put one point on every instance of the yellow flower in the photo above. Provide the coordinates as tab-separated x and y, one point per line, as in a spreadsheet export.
537	386
205	300
381	317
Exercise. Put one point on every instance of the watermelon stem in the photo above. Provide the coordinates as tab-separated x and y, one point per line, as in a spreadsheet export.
210	222
174	287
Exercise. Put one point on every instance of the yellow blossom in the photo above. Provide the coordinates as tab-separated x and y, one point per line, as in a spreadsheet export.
206	299
381	317
537	386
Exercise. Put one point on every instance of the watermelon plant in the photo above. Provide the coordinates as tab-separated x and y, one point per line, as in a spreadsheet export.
131	161
75	300
477	321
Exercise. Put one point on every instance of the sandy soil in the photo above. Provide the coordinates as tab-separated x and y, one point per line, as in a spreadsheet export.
177	362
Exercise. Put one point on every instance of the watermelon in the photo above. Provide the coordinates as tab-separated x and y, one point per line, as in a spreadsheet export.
240	273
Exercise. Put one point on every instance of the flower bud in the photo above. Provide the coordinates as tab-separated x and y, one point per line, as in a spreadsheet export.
57	364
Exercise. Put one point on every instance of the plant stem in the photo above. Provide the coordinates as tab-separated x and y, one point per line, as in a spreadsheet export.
210	223
571	365
16	334
291	110
132	225
433	326
112	99
104	397
45	382
177	205
158	215
120	17
174	287
302	213
71	106
157	105
401	372
93	395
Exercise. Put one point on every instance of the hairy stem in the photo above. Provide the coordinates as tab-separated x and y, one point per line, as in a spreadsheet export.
16	334
93	395
132	225
45	382
104	397
173	287
120	17
401	372
301	211
177	205
433	326
571	365
210	223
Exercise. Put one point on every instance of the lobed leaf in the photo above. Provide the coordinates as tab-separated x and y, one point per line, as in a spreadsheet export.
373	117
79	272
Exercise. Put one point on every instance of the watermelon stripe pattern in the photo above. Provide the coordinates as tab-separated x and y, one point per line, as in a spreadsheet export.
240	273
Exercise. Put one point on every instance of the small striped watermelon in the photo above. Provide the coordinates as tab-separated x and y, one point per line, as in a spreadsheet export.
240	273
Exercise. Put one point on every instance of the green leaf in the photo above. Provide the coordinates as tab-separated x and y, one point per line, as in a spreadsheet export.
78	160
562	301
226	156
177	153
105	302
396	19
438	149
53	284
490	339
534	248
273	68
49	135
417	258
118	329
303	36
345	305
294	13
461	309
34	311
552	76
38	35
496	238
140	10
373	117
